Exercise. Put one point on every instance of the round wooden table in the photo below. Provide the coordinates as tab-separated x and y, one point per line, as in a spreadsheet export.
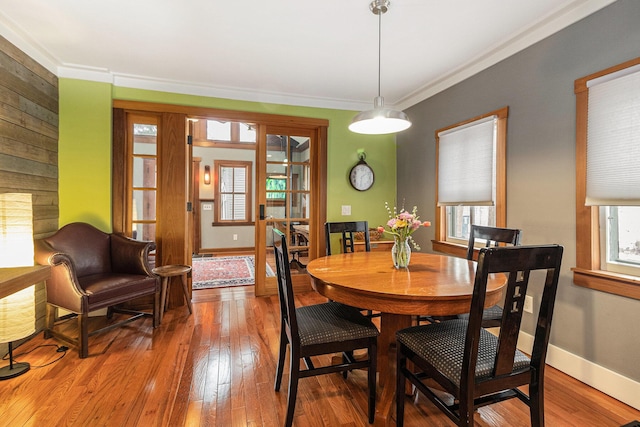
433	284
167	272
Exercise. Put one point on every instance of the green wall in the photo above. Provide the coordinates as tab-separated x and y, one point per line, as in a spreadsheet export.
85	151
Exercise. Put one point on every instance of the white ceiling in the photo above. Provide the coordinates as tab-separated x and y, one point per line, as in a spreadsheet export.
299	52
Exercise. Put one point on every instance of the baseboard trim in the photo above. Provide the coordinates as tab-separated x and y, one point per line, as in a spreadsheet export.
609	382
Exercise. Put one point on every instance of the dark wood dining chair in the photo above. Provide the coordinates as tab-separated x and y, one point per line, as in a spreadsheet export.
493	236
316	330
476	367
347	230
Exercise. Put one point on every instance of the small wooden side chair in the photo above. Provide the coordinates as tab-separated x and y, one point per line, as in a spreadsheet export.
471	364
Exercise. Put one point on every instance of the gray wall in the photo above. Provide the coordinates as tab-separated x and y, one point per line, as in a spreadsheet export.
537	85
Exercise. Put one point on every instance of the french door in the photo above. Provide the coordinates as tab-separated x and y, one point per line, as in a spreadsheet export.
289	175
287	146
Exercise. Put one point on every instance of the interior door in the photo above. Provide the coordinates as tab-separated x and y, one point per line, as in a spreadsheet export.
287	198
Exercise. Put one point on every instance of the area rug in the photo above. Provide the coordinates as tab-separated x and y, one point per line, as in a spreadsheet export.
216	272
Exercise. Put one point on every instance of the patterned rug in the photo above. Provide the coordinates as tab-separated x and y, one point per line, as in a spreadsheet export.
221	271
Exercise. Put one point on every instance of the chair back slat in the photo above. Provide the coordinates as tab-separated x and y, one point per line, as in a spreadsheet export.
347	230
285	287
517	262
492	236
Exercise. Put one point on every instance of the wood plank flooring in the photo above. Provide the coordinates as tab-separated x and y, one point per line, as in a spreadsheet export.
216	368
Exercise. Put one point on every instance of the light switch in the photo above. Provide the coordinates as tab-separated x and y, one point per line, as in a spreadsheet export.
346	209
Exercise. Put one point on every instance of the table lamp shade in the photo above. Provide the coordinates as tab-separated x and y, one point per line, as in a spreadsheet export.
17	311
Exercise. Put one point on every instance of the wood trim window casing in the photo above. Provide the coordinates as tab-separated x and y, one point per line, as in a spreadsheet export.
440	243
587	272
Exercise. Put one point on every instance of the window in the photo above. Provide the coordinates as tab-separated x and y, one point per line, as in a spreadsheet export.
230	132
233	191
471	183
608	180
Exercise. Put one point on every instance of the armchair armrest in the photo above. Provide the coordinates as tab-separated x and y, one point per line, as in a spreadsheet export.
130	256
63	287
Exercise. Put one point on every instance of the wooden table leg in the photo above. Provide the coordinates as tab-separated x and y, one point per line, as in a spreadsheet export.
185	289
163	296
389	324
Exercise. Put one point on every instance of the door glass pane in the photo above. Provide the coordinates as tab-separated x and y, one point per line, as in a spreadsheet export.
144	172
277	148
299	205
300	177
144	231
144	138
144	205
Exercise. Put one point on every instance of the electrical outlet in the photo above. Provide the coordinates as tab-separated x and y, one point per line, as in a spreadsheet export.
528	304
346	210
235	237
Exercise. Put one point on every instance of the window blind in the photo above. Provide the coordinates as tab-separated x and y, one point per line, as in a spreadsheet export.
466	164
613	140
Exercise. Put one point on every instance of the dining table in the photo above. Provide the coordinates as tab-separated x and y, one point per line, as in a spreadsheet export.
432	284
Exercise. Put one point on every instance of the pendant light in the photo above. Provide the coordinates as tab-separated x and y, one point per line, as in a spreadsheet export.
380	120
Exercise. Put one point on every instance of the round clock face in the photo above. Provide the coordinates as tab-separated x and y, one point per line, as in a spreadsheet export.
361	176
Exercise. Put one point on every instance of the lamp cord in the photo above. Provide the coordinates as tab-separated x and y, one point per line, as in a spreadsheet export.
59	349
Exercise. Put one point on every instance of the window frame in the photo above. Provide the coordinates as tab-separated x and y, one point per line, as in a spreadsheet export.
587	272
440	242
248	194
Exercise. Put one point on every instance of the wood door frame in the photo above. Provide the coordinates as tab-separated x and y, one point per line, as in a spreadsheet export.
173	182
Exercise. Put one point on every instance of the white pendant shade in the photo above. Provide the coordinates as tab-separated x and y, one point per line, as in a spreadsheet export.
380	120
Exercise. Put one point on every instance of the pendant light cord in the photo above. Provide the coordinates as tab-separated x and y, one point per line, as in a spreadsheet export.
379	48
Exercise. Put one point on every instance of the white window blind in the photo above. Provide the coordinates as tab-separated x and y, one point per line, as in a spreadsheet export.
466	164
613	140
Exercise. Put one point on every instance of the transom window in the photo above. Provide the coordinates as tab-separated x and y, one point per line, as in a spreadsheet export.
221	131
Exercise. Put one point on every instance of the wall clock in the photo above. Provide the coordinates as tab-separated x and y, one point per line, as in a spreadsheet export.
361	175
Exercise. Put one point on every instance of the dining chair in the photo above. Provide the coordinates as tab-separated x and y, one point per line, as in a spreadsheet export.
476	367
319	329
492	236
347	231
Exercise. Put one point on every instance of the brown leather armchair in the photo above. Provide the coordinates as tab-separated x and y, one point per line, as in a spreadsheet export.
93	270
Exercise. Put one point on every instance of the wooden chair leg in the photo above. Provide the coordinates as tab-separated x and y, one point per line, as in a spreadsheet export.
401	363
294	372
281	354
371	376
536	403
83	335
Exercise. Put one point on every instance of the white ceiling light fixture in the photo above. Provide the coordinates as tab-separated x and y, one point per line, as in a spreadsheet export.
380	120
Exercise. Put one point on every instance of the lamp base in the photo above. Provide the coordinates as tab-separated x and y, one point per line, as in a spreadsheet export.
8	371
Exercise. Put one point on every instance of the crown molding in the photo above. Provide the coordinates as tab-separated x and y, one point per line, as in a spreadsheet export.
529	36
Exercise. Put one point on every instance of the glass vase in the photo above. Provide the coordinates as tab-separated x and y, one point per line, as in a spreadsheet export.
401	253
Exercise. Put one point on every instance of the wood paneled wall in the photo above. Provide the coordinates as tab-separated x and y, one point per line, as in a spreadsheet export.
29	142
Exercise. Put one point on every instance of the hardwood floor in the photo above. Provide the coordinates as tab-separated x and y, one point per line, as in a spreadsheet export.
216	368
